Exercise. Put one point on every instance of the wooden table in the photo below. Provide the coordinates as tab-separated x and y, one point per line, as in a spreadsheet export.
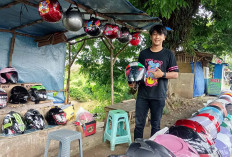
128	106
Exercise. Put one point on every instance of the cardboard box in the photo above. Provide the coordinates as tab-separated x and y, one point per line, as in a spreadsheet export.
86	129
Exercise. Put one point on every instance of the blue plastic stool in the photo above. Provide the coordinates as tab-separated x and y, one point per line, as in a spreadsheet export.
115	133
65	137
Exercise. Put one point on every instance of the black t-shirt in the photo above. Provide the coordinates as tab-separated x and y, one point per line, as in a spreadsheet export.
154	88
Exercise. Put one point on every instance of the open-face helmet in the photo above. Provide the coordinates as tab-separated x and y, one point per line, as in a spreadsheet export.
13	124
73	19
135	72
19	95
147	148
50	10
3	98
124	35
135	40
38	93
56	116
8	75
196	140
176	145
34	120
111	31
92	26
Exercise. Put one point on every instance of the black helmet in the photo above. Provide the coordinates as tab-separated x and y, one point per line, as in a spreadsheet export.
38	93
135	72
3	98
19	95
34	120
8	75
92	26
193	138
147	148
56	116
124	35
13	124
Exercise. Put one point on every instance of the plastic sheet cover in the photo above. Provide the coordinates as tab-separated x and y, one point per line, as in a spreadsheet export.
36	64
198	86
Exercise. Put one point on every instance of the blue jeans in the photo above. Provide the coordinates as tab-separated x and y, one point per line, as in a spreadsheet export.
142	107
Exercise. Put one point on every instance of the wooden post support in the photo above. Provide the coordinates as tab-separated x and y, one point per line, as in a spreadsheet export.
11	49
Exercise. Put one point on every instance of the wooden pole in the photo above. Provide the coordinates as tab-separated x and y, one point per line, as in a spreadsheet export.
112	73
69	72
11	49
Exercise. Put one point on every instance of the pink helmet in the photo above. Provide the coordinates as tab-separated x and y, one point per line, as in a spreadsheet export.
8	75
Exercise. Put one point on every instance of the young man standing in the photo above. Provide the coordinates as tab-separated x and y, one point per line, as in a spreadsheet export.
160	64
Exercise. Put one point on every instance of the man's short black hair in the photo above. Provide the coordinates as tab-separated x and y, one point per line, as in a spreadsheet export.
160	29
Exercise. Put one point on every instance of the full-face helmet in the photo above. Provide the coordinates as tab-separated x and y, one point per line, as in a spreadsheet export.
34	120
19	95
8	75
13	124
56	116
135	72
73	19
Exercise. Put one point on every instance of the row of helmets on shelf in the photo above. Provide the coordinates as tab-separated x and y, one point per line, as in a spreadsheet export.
13	123
18	94
51	11
207	133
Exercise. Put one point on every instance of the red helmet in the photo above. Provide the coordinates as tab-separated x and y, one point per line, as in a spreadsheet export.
136	38
50	10
196	127
214	120
111	31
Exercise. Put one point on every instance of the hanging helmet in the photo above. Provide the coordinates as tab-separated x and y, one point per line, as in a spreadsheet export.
136	38
8	75
135	72
50	10
124	35
13	124
92	26
38	93
3	98
73	20
111	31
34	120
19	95
192	137
56	116
147	148
176	145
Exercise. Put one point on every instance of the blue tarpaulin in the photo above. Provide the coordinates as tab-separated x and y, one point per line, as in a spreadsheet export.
36	65
199	82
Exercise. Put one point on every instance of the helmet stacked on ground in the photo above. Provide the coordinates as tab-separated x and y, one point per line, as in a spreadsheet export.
34	120
13	124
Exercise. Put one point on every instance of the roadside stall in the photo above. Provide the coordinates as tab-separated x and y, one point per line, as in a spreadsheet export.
33	39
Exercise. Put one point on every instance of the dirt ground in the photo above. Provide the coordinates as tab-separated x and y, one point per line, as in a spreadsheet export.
176	108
